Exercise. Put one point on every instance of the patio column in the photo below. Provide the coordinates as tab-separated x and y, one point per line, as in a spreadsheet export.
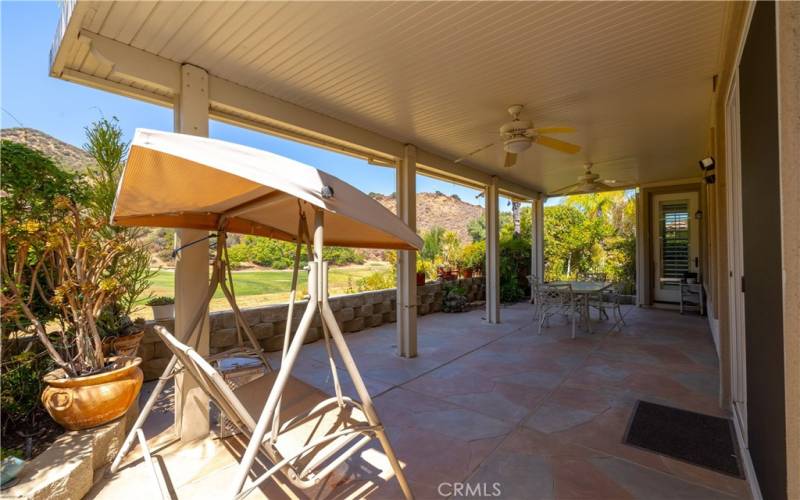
406	189
641	250
537	238
492	252
191	268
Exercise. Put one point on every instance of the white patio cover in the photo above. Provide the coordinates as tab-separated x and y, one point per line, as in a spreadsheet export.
184	181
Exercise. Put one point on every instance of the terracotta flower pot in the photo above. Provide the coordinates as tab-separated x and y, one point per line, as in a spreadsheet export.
84	402
467	273
123	346
420	279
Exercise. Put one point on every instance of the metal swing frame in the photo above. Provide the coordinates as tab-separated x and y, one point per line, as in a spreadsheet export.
320	453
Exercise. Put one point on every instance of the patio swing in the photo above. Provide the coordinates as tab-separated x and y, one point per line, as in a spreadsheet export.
305	433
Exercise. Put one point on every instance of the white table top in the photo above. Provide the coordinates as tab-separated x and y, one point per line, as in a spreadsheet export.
584	286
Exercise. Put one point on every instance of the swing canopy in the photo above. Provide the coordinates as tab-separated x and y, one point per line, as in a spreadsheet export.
183	181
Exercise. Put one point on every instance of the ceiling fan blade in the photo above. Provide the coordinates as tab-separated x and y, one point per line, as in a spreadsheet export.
553	130
510	160
459	160
556	144
616	186
565	190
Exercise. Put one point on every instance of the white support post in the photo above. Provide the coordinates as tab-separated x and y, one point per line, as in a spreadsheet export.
407	260
492	252
537	239
641	249
191	268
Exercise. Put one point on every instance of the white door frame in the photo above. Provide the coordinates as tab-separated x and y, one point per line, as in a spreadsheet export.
736	320
694	240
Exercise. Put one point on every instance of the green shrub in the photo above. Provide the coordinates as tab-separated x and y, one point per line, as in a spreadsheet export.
455	298
20	387
160	301
379	280
474	255
515	265
278	254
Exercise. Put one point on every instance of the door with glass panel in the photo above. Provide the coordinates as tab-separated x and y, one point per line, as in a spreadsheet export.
675	243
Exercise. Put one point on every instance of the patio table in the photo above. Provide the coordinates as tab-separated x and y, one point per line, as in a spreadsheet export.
583	290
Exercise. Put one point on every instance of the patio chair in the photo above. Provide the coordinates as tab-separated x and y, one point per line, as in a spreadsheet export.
533	281
610	300
554	300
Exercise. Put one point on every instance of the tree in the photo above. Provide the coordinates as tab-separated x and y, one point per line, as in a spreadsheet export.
432	243
132	268
476	228
515	216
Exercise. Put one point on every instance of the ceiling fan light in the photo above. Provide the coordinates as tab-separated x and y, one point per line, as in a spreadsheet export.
517	145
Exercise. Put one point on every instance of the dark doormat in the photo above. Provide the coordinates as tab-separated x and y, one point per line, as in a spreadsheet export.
685	435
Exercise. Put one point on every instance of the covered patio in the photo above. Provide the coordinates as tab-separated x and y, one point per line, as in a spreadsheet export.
651	88
487	405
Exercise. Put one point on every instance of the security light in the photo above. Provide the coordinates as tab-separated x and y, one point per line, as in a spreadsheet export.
707	163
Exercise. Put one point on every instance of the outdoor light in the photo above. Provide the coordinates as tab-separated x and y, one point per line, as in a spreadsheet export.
710	179
698	215
707	163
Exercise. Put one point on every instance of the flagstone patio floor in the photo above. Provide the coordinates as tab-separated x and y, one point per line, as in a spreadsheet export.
491	410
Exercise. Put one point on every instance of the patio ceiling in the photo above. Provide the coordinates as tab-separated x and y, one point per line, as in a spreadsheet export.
635	79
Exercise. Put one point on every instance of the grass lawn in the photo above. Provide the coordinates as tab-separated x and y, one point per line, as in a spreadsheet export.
254	288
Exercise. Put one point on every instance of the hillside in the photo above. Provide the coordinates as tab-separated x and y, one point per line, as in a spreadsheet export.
438	209
63	154
433	209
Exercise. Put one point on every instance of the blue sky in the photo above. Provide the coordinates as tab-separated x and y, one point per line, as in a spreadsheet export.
31	98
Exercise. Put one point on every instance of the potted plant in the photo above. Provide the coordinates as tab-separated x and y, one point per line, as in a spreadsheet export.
473	257
163	307
120	335
462	266
63	261
423	269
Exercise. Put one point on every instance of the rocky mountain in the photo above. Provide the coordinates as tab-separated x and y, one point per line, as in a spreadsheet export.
433	209
63	154
439	209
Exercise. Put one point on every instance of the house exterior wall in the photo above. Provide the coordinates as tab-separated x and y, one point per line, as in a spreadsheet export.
761	218
353	312
788	31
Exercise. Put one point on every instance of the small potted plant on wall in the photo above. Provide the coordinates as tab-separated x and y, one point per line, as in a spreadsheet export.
163	307
473	257
120	335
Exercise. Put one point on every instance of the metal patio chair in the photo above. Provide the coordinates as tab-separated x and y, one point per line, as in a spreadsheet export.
554	300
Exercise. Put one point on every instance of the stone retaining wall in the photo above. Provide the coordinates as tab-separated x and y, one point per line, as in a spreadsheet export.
73	463
353	312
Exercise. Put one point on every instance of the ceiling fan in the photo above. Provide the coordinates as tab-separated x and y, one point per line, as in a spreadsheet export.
589	182
518	135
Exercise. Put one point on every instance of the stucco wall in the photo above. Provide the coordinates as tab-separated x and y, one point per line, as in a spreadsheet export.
353	312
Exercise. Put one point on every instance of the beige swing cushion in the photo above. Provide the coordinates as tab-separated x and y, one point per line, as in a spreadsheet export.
184	181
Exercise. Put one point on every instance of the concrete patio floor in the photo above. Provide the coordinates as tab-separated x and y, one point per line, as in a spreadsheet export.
496	407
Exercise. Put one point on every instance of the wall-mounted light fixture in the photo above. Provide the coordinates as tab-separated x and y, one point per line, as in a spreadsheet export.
698	215
707	163
710	179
